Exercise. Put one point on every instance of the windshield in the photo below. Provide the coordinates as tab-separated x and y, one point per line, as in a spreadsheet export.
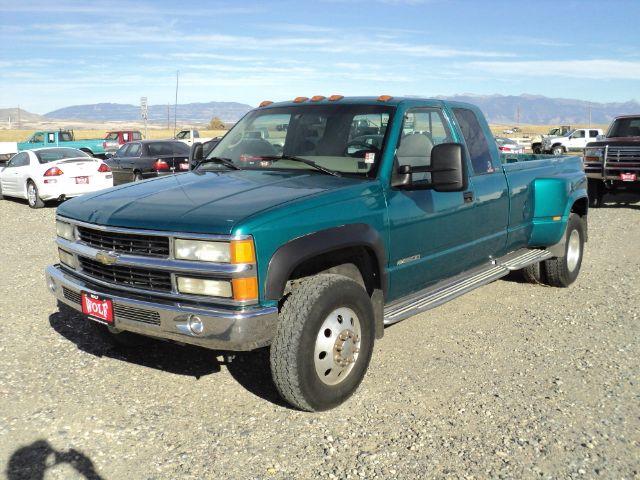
54	154
625	127
348	139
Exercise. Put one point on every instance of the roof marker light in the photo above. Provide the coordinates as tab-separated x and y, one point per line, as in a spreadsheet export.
335	98
265	103
317	98
300	99
384	98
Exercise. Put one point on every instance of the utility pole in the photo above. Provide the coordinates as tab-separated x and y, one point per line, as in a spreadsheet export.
19	122
175	106
144	113
518	116
589	114
168	117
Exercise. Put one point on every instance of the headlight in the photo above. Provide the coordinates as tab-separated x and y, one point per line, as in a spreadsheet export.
236	251
593	154
202	286
66	258
65	230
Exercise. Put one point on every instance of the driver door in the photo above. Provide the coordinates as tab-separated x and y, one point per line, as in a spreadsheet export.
577	140
13	173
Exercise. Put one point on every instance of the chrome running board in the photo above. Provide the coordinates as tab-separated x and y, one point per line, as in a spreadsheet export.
449	289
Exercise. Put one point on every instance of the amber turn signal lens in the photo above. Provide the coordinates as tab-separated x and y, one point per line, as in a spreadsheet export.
317	98
242	251
245	288
265	103
300	99
335	98
384	98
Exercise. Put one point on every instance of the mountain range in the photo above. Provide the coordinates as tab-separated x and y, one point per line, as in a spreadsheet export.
499	109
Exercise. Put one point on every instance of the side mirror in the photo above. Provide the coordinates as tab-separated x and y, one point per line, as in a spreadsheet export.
448	172
196	154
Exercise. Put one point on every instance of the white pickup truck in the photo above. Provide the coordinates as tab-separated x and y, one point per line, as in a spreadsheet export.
191	136
575	140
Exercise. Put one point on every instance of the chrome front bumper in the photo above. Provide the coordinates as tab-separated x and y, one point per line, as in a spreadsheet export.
224	329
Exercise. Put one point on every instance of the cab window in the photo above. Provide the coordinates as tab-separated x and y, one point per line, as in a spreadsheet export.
578	134
422	129
137	136
476	141
64	136
37	138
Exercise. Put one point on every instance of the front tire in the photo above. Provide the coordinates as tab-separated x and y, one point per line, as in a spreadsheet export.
557	151
137	177
323	342
563	271
33	197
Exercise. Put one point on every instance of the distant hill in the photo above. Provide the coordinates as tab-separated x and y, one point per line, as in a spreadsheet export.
539	110
190	112
15	116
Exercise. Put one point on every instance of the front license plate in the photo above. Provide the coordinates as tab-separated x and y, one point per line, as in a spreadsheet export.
628	177
97	308
82	180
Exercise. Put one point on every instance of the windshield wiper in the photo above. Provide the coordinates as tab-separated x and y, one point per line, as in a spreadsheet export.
311	163
227	162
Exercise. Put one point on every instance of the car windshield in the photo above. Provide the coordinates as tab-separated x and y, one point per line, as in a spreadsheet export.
347	139
625	127
505	141
54	154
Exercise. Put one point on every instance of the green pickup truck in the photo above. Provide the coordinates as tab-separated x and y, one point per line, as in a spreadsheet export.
311	240
63	138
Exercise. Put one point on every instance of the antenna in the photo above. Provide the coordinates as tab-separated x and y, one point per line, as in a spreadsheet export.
175	106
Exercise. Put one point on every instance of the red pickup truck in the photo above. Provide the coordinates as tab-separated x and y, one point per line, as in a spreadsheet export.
115	139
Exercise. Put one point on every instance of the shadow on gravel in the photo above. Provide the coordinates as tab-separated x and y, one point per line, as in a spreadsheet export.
32	461
249	369
48	204
622	200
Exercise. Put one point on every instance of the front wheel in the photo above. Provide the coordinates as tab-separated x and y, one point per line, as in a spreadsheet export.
33	197
557	151
563	271
323	342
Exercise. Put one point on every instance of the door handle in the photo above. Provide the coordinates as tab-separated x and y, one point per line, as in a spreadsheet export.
468	197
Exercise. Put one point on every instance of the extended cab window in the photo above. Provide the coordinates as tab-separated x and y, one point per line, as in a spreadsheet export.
137	136
475	139
422	129
112	136
578	134
593	133
348	138
37	138
65	136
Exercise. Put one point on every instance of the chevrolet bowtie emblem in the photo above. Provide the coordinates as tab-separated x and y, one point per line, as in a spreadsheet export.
106	258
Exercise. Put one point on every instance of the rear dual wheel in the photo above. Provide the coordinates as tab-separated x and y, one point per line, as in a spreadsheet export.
323	342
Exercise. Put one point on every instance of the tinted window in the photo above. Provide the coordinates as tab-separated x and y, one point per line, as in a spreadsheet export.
122	151
134	150
53	154
475	139
593	133
180	148
157	149
19	160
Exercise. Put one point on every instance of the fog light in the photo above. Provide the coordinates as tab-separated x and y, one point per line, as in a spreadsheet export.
52	285
195	325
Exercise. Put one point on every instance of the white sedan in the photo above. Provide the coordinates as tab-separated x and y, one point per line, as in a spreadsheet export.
53	174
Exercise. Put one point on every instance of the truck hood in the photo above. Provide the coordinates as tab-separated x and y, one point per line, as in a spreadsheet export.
617	142
206	202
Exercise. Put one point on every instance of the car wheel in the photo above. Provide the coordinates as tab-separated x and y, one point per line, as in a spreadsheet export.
557	151
563	271
595	189
33	197
137	177
1	197
323	342
537	150
117	338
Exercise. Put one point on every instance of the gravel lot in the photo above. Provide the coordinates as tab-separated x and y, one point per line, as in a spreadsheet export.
511	381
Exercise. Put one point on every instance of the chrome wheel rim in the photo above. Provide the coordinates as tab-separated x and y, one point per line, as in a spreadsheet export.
31	194
337	346
573	250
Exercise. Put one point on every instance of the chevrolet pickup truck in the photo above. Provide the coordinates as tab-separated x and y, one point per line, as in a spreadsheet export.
313	246
63	138
612	163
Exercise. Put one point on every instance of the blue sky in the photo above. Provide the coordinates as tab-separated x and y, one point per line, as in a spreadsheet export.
59	53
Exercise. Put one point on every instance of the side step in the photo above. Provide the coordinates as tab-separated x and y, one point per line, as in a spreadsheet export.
449	289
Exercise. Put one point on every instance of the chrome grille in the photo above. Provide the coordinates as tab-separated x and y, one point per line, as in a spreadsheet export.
129	276
136	314
136	244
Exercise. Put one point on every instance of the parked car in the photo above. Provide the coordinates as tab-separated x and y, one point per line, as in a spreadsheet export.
62	138
536	142
314	250
506	145
116	138
137	161
612	163
574	141
191	136
53	174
